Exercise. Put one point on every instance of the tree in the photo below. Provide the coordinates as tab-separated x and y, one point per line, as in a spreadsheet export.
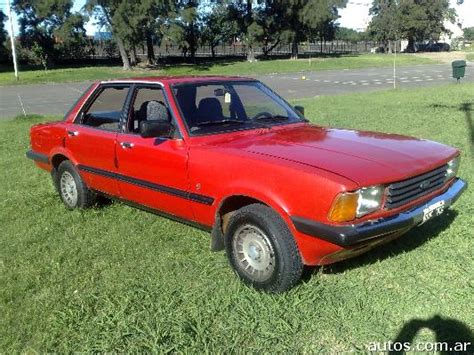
49	26
183	27
415	20
349	35
242	16
384	26
307	19
217	26
469	33
110	17
3	37
424	19
269	25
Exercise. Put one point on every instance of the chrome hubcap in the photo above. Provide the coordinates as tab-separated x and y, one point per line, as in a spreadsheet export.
68	188
254	252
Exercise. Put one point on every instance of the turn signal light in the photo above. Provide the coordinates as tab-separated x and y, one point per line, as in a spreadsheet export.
344	208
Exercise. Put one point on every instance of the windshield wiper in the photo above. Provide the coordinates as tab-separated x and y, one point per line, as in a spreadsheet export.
230	120
272	117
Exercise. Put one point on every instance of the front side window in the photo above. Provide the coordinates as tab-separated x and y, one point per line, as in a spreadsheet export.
216	107
105	110
148	104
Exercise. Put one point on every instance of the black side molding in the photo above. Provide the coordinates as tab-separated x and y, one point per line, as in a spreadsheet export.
206	200
42	158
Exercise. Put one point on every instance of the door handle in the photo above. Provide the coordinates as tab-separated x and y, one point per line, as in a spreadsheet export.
72	133
126	145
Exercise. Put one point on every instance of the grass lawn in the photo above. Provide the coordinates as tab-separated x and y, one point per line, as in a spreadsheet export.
119	279
211	68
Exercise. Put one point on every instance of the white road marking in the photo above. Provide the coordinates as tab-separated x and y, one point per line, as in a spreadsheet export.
76	90
406	81
21	104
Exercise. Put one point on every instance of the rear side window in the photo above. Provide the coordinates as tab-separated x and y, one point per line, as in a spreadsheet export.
105	110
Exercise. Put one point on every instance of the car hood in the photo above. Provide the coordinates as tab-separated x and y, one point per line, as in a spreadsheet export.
364	157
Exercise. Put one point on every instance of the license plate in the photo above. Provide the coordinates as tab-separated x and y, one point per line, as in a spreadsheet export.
432	211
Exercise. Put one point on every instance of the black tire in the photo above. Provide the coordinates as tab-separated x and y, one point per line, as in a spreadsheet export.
71	188
262	250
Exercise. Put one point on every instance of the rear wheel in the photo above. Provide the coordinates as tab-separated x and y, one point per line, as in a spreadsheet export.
262	250
73	191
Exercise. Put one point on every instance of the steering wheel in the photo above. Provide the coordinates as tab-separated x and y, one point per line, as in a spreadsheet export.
262	115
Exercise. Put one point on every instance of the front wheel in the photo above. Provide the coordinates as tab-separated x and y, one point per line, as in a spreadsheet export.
262	250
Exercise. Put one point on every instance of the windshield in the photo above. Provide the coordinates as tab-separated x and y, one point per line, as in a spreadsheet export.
219	106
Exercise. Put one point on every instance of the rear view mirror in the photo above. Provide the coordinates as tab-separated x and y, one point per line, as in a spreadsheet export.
300	109
156	129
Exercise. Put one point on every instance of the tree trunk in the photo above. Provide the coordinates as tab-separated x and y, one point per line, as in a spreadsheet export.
411	45
150	52
133	56
294	48
123	54
213	51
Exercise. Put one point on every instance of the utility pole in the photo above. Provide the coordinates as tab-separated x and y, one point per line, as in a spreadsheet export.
395	66
12	39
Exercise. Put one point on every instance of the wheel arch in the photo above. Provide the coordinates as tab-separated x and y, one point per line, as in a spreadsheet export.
230	204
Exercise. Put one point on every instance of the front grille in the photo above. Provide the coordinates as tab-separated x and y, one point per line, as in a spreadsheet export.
403	192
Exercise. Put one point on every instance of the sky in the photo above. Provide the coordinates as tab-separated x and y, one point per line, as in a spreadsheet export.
355	15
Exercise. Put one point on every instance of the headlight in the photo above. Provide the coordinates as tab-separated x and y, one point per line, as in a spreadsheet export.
349	205
453	167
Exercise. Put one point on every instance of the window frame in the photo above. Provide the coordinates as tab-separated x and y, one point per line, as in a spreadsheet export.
93	97
131	100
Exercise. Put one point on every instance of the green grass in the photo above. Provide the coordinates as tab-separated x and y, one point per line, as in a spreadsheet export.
119	279
211	68
470	57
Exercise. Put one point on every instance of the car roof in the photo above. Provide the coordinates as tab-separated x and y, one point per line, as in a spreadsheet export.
178	79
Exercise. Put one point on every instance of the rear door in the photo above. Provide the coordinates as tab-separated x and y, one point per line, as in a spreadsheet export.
93	135
153	171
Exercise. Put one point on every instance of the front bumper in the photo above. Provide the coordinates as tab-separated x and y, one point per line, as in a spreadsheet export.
349	235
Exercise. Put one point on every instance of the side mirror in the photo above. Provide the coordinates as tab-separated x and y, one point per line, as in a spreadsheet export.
156	129
300	109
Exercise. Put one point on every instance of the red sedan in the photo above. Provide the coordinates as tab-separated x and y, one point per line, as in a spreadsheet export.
229	155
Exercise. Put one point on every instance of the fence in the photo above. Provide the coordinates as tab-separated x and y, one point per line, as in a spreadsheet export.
104	49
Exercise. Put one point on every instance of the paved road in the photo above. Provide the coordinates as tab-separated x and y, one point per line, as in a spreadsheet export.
55	99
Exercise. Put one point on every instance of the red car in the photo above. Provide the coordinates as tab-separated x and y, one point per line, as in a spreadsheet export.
229	155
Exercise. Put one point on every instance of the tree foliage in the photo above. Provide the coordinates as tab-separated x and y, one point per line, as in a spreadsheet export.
415	20
469	33
3	37
49	28
261	24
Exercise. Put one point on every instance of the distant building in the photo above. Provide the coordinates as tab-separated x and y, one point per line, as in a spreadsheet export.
102	36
